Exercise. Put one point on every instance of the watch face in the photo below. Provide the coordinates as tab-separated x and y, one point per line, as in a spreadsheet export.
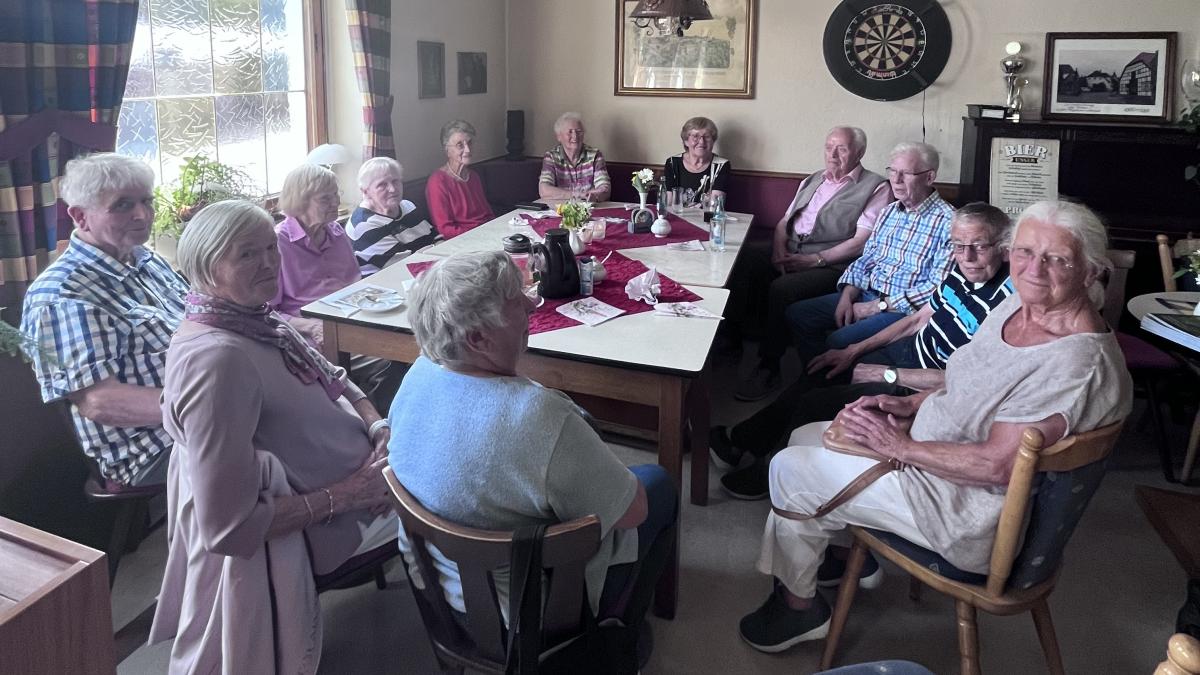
887	51
890	376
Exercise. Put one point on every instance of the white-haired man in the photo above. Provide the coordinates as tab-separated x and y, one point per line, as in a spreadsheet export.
822	230
386	228
101	317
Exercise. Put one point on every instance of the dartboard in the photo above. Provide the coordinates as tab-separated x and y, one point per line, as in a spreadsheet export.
887	51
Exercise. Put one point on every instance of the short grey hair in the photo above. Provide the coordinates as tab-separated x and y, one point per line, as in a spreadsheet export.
459	295
996	221
301	184
456	127
87	180
565	119
858	137
375	168
1081	222
208	235
930	159
695	124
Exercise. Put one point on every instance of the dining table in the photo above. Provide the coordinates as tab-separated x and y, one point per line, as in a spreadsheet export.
652	362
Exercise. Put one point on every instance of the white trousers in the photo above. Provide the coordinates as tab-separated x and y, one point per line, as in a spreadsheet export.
806	475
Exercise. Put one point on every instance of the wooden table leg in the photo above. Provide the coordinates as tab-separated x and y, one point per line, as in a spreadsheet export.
666	594
330	348
699	414
670	456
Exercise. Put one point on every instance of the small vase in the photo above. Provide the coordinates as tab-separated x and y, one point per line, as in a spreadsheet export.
577	245
660	227
642	196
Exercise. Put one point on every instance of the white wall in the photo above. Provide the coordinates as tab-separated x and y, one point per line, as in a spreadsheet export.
462	25
561	57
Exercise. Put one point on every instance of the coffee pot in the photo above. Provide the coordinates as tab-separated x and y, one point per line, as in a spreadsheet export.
556	264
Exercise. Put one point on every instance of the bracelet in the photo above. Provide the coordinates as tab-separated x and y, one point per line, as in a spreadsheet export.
373	430
330	495
310	511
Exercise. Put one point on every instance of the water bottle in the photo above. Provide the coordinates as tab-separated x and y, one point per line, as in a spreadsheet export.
586	271
716	226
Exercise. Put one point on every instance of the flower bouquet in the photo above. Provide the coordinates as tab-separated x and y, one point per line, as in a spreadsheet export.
643	180
574	213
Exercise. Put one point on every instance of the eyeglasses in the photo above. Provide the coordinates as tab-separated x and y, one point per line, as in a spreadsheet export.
980	247
329	198
700	137
1055	262
461	145
904	175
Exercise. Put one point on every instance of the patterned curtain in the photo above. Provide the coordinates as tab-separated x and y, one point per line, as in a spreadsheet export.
371	38
63	65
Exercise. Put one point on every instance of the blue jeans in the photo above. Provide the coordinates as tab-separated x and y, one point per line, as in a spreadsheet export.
811	321
629	588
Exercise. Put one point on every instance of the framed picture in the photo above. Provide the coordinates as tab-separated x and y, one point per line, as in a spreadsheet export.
714	58
472	72
431	70
1109	77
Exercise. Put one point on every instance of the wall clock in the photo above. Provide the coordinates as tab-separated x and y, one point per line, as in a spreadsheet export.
887	51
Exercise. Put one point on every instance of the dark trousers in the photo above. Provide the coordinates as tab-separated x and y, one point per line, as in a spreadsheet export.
759	295
629	588
812	320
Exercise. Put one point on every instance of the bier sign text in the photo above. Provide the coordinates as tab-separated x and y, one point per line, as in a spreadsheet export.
1023	171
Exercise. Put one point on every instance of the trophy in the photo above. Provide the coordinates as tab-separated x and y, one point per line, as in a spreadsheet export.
1013	64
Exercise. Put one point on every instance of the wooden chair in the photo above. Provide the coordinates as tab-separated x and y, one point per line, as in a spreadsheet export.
132	521
1183	656
1167	255
1052	485
478	640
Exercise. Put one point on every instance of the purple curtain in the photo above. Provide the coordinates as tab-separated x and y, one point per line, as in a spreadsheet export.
371	38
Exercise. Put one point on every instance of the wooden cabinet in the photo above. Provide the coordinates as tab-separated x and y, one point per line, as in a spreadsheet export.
55	612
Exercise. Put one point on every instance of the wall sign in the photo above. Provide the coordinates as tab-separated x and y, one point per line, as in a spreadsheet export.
1023	171
887	51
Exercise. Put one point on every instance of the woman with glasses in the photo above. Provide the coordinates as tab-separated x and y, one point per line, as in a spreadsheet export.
573	169
454	193
697	168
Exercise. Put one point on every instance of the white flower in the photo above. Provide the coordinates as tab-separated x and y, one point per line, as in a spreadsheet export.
646	175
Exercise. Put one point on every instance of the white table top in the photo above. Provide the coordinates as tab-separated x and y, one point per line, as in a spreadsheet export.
645	341
1141	305
693	268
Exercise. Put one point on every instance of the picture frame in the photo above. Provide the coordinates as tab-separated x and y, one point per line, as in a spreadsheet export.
472	73
1109	77
714	58
431	69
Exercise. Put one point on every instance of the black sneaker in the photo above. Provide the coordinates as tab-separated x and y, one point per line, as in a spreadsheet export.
725	455
750	483
831	571
774	627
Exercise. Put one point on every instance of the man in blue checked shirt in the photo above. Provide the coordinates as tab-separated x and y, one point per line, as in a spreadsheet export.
101	318
902	263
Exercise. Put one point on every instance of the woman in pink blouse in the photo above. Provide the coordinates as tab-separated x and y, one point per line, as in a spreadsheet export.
454	193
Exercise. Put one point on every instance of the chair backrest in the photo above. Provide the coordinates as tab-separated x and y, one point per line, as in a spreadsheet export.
1067	474
565	551
1114	288
1167	255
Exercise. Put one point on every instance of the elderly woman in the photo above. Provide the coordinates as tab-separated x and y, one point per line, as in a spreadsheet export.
1044	358
573	169
276	469
697	168
529	454
386	228
454	193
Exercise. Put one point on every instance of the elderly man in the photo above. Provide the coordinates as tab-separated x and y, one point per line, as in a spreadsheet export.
901	265
101	317
907	355
824	228
573	169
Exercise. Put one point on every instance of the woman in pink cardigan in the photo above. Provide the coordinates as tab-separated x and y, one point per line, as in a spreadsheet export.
454	193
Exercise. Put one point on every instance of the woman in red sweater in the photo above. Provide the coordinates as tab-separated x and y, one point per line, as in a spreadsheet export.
454	193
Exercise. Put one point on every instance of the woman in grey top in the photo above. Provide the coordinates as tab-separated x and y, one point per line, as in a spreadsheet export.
1044	358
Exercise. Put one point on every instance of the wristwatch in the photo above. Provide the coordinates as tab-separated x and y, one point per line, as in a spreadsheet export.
820	261
883	304
891	375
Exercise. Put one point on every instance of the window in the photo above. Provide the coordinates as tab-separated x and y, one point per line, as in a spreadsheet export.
222	78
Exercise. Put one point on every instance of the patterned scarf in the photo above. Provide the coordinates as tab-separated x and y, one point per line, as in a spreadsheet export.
264	325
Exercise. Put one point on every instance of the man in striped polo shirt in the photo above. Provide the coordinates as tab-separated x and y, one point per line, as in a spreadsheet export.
101	317
908	355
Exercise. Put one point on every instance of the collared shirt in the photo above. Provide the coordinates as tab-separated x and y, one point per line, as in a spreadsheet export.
906	257
807	219
91	317
308	272
959	306
589	172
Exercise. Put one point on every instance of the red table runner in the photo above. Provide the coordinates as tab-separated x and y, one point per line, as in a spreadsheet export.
620	270
617	236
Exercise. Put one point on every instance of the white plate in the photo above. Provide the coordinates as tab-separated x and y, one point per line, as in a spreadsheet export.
380	304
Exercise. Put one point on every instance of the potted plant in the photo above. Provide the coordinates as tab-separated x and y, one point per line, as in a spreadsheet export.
201	182
574	213
12	340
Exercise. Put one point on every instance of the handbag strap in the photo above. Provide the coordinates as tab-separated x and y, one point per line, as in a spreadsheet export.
879	470
525	601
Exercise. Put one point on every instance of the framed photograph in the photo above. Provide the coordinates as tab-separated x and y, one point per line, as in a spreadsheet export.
472	72
431	70
1109	77
714	58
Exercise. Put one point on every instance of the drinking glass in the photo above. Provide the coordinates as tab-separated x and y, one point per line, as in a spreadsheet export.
709	201
599	229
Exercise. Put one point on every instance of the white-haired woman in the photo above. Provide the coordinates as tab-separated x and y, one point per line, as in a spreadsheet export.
276	469
528	454
386	228
1044	358
573	168
454	193
698	168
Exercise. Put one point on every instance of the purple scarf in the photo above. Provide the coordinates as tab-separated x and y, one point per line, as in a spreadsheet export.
264	325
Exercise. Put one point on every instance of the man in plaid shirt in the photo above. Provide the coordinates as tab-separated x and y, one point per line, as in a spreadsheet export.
101	318
902	263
